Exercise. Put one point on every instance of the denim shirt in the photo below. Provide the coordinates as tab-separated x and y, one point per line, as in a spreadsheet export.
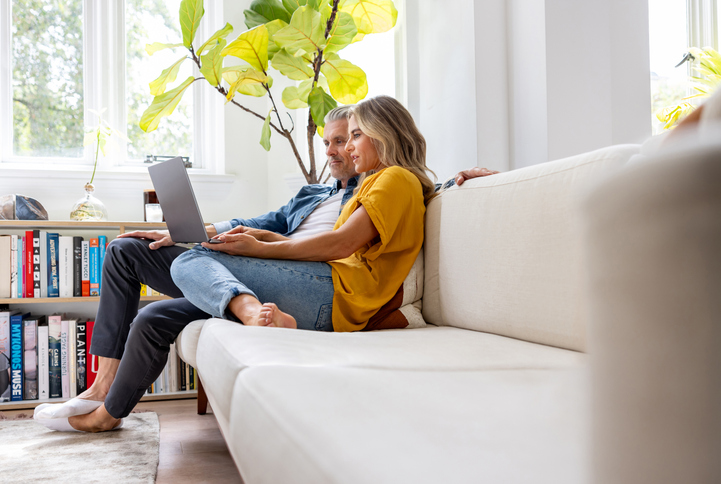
285	220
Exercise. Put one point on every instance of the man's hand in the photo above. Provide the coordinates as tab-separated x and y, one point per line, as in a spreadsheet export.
236	244
258	234
161	237
474	172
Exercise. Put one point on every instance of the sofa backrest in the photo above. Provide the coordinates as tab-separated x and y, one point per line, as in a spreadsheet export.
502	252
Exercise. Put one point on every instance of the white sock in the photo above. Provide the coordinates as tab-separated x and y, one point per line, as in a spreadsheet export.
71	408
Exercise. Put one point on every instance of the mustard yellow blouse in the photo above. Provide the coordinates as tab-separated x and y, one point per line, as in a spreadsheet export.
370	277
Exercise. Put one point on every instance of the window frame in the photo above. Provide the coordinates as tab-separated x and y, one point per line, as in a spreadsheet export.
104	86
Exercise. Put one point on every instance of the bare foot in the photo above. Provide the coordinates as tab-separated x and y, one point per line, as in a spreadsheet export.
95	393
270	315
98	420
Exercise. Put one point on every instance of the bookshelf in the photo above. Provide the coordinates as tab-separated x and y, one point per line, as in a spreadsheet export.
56	304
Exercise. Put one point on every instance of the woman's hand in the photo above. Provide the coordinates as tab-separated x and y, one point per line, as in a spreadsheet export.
237	243
161	237
258	234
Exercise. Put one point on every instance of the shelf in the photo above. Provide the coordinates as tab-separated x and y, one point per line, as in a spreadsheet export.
50	300
70	224
30	404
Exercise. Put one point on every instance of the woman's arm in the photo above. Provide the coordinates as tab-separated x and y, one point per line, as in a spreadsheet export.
338	244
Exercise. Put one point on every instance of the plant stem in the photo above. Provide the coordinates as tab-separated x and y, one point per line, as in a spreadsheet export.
97	148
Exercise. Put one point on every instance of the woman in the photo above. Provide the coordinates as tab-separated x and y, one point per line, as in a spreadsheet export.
335	281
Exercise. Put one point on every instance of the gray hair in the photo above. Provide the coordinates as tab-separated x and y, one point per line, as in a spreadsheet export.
336	114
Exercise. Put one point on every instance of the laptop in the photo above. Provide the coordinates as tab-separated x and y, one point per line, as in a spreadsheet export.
176	198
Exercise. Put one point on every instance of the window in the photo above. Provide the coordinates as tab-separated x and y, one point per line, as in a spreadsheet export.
62	60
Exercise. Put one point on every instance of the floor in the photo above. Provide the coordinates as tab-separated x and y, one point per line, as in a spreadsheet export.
192	450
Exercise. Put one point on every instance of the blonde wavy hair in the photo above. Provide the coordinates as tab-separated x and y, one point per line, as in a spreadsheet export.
395	137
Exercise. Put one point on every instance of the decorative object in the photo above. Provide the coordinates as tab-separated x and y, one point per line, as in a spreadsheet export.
89	207
20	207
153	212
149	196
30	452
300	41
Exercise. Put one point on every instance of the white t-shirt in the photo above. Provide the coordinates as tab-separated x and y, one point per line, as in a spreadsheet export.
322	219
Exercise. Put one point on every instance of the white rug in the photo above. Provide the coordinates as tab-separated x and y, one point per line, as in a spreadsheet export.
29	452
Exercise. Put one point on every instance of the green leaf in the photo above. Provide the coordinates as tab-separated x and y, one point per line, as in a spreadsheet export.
242	79
304	34
212	64
162	106
273	27
371	16
347	82
264	11
320	105
156	46
166	77
216	37
252	47
293	5
296	97
265	133
342	33
191	11
293	67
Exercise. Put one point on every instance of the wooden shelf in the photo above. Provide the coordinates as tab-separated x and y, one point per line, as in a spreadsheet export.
70	224
51	300
30	404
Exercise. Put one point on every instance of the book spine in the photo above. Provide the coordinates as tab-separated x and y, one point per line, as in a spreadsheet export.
5	264
30	359
43	362
81	355
64	365
77	266
55	363
14	279
16	357
182	376
36	263
192	377
85	271
53	279
5	355
21	266
91	360
102	244
94	277
65	276
28	247
72	357
43	249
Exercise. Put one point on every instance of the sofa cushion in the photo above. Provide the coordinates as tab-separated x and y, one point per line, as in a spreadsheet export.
502	253
225	348
355	426
187	342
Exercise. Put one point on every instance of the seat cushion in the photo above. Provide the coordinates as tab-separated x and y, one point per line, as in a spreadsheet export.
225	348
359	426
187	342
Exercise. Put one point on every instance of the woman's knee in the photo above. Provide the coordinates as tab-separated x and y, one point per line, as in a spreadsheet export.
184	265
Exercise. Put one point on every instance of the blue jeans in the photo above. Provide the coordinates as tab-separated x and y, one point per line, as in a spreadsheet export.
210	279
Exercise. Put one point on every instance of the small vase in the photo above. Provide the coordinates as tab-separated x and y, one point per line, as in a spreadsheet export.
89	208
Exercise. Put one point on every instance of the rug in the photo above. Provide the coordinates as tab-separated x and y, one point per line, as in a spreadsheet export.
29	452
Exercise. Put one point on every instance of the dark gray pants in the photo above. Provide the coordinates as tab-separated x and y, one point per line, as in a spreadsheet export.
140	340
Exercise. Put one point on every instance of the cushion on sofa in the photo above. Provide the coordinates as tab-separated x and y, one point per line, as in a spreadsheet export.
226	348
511	265
353	426
187	342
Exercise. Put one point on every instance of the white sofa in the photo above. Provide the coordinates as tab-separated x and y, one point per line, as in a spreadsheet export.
494	389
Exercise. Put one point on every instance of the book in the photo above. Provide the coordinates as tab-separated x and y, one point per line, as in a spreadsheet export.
53	279
36	263
182	376
5	355
30	358
64	364
43	263
28	263
54	362
20	272
43	360
16	355
14	266
5	261
21	265
192	377
77	266
94	277
81	355
85	268
173	364
91	360
65	257
143	290
102	245
72	357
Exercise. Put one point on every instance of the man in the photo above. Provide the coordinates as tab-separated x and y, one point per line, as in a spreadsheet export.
130	357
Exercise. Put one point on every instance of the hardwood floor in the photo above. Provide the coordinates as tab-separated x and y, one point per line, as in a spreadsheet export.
192	450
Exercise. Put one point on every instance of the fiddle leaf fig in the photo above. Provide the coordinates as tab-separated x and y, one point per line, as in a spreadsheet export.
166	77
212	64
252	47
295	68
342	33
347	82
191	11
371	16
216	37
244	79
265	132
273	27
156	46
264	11
304	34
320	105
163	105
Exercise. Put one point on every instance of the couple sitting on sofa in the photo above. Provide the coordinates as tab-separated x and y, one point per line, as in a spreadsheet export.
326	272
